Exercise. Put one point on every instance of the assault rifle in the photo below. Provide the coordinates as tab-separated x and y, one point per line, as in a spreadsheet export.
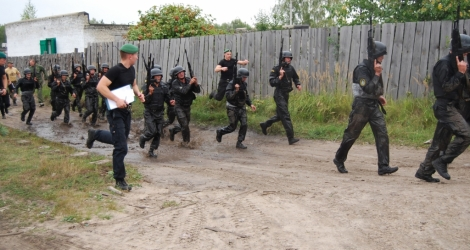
84	70
98	63
191	73
456	43
178	61
235	79
148	67
370	43
281	62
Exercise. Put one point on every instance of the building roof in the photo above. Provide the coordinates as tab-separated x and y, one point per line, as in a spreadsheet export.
50	17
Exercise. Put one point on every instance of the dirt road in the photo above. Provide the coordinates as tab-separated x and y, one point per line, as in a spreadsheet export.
270	196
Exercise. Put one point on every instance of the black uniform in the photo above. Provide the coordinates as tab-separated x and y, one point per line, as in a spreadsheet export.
281	97
448	85
225	77
367	88
184	96
153	114
91	99
77	84
62	100
236	110
27	87
51	81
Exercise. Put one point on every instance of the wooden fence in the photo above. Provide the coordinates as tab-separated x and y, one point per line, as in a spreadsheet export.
324	57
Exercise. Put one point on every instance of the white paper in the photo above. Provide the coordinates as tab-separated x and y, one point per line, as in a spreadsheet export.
124	93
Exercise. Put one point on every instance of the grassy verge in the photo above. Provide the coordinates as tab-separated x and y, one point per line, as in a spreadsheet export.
324	117
40	180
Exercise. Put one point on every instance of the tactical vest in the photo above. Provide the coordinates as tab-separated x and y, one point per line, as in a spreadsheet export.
358	91
437	85
241	96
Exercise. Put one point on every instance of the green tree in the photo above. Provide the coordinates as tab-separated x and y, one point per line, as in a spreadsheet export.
233	25
3	35
352	12
308	12
29	11
264	21
170	21
95	21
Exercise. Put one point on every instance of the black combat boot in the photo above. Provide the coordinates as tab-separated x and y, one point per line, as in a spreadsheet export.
263	128
142	141
152	154
121	184
427	177
240	145
30	117
441	168
219	135
293	140
340	166
53	116
23	116
212	94
172	135
387	170
91	138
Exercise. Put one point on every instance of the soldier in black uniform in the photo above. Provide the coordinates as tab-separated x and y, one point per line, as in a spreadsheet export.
226	68
237	97
51	79
282	77
62	88
170	110
368	97
103	107
449	81
27	85
77	81
91	96
154	111
183	89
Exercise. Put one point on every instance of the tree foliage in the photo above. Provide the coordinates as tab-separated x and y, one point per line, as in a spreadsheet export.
29	11
307	12
352	12
95	21
265	21
171	21
3	35
233	25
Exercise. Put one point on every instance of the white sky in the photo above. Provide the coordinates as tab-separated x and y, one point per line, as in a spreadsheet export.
125	12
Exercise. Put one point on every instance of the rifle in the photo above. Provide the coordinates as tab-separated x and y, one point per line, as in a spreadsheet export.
456	43
234	78
281	63
84	71
73	69
191	73
178	60
98	62
370	43
148	66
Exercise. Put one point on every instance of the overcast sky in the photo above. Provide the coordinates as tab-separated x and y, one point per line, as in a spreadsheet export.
125	12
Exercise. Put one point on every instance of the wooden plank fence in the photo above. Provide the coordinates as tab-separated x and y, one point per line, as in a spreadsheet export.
324	57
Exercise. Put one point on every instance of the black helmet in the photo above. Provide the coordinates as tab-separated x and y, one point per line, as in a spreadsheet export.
171	72
75	66
57	67
157	66
26	71
156	72
286	54
90	67
178	69
380	49
242	72
64	73
105	65
465	41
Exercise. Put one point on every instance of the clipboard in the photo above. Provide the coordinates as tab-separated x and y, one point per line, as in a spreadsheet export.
125	93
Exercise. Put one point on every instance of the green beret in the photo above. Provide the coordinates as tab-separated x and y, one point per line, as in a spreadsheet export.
2	55
129	48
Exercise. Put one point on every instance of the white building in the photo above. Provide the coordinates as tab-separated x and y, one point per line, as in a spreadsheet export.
59	34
